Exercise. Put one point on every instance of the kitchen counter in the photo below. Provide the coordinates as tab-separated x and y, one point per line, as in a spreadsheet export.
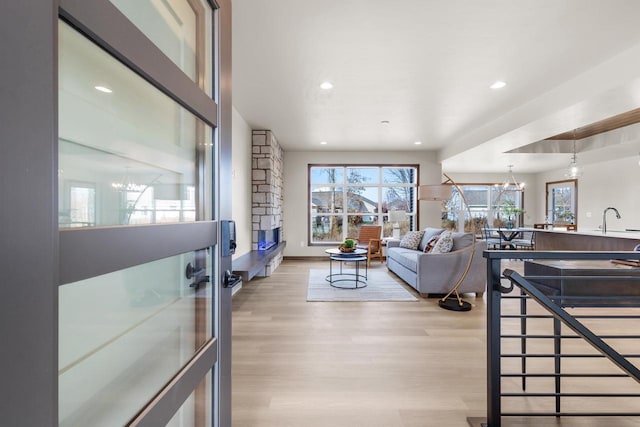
602	289
586	240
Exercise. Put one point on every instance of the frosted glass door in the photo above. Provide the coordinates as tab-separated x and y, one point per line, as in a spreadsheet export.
133	162
123	336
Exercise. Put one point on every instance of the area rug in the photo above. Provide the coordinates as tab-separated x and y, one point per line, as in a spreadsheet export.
381	286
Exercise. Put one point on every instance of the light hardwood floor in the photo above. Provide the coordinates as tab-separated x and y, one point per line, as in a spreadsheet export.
386	364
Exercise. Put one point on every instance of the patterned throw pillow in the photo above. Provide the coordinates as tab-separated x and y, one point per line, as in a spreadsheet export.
429	233
411	240
444	243
430	244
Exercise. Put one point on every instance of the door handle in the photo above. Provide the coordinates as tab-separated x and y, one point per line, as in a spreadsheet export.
196	284
231	280
190	271
196	274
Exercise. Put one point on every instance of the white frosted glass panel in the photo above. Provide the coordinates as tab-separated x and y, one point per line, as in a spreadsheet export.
191	410
179	28
134	146
123	335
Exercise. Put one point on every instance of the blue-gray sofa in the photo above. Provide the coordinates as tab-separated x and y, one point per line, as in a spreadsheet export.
437	273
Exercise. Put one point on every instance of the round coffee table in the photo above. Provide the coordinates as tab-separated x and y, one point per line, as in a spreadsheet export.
341	279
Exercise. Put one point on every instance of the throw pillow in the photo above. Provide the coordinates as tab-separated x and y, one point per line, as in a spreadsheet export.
430	244
411	240
429	233
444	243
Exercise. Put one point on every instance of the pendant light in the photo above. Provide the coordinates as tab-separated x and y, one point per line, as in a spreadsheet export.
510	181
573	170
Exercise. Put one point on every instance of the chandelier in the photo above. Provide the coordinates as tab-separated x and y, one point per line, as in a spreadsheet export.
510	181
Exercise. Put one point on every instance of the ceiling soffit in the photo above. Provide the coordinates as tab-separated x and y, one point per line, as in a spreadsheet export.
600	134
606	125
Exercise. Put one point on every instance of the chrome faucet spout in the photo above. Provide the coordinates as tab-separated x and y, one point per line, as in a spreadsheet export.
604	218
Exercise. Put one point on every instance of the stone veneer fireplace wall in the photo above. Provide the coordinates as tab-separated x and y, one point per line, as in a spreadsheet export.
267	189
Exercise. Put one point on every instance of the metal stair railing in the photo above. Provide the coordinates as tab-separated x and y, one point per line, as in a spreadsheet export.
553	305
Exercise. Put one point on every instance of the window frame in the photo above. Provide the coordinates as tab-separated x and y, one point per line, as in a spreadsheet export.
381	215
491	207
550	215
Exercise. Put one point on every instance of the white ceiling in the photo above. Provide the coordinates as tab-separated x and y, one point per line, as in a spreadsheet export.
426	66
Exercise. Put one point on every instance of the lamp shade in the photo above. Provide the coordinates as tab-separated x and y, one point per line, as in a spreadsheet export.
397	216
434	193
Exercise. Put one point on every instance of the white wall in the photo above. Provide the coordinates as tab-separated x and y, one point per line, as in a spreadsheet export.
296	187
241	182
533	211
613	183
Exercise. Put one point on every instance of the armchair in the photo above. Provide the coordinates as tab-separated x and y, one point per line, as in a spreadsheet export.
369	240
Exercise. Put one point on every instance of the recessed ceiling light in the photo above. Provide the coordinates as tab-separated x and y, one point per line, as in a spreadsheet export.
326	85
418	143
323	142
103	89
384	122
498	85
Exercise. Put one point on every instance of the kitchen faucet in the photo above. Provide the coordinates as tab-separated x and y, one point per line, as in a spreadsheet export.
604	218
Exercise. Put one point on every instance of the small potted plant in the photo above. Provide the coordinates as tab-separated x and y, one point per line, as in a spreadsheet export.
349	245
567	216
510	210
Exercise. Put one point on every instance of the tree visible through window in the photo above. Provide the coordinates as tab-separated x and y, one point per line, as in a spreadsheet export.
487	204
562	203
343	198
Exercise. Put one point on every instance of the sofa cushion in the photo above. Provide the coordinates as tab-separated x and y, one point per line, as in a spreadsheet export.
406	257
411	240
430	244
444	243
462	240
429	233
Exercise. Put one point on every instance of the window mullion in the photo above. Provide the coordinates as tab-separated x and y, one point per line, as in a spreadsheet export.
345	207
399	193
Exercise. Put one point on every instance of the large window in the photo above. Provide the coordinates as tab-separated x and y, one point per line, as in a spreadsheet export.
490	204
562	202
343	198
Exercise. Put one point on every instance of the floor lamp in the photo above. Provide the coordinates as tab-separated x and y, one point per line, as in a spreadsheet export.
439	193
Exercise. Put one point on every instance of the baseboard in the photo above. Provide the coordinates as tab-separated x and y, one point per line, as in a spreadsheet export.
306	258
